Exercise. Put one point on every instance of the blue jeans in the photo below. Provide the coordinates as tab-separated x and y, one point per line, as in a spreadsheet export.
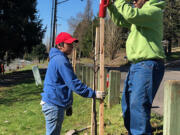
140	88
54	117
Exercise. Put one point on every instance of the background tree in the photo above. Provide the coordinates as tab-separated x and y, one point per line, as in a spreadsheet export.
84	30
83	27
40	52
172	23
115	38
20	27
73	22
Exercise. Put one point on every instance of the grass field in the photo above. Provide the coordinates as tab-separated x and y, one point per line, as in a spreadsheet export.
20	111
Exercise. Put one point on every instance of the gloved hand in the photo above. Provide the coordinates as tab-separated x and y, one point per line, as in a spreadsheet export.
69	111
101	95
102	8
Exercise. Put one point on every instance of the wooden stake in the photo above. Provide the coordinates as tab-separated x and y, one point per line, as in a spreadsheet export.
74	60
101	111
93	116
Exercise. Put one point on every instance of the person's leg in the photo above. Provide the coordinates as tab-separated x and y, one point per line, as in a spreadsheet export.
144	80
125	103
54	117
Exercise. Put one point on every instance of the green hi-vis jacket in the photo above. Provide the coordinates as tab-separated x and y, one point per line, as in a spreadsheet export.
146	28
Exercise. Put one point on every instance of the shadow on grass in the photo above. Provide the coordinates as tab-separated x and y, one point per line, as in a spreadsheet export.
19	77
10	102
25	89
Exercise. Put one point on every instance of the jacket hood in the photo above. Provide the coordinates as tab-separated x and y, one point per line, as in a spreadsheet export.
53	52
158	3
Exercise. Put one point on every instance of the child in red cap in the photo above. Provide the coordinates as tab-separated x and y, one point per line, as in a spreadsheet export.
60	82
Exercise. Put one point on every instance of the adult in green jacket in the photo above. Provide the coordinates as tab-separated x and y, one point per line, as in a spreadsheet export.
145	52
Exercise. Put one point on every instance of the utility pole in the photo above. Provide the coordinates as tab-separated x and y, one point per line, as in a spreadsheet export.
52	12
54	20
54	23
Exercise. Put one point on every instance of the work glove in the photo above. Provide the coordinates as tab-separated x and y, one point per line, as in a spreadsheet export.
101	95
102	8
69	111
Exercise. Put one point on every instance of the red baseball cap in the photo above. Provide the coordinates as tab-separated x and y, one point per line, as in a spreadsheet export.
65	37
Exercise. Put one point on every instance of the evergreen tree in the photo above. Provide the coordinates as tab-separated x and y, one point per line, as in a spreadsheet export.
20	27
84	32
40	52
172	23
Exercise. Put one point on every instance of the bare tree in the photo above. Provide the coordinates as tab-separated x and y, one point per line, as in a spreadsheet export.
74	21
115	37
80	26
88	13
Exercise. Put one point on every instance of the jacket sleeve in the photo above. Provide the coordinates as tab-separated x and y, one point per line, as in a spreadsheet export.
116	17
144	16
72	82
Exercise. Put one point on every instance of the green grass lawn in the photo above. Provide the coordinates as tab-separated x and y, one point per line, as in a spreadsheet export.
20	111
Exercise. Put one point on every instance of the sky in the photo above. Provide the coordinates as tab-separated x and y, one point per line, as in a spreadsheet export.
64	11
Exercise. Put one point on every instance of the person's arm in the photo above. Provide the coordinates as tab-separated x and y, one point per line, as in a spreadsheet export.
65	70
144	16
73	83
116	17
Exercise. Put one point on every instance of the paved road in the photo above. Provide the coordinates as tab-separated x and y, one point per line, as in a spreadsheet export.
159	99
158	104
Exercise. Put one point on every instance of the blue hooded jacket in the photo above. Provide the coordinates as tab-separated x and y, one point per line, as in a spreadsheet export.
60	81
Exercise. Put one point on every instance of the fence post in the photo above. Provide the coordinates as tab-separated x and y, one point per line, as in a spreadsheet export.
84	74
88	76
37	76
114	88
78	71
91	77
171	108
